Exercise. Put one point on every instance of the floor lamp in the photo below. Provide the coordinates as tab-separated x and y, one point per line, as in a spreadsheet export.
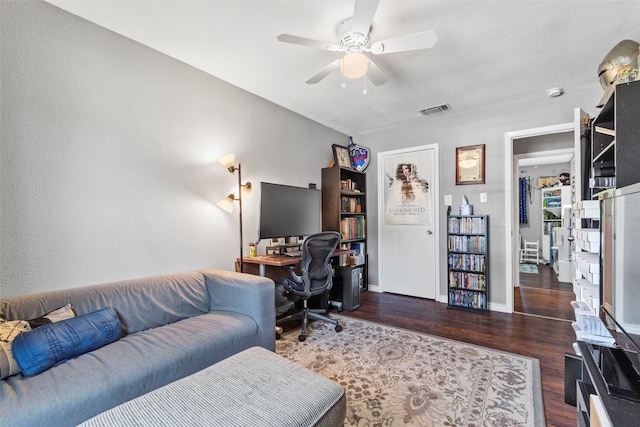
227	202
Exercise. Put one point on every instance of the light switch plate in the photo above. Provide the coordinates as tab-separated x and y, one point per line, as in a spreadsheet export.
447	200
483	197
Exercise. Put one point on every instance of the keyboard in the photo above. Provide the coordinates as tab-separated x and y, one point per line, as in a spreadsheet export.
293	253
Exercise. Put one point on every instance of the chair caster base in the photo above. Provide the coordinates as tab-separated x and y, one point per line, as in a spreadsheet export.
338	328
302	338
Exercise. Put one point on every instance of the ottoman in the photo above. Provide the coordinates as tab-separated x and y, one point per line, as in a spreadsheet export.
253	388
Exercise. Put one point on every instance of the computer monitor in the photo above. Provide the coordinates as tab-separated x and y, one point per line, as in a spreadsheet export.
287	211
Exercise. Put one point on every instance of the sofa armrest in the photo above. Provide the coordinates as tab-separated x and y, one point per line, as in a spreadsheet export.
244	293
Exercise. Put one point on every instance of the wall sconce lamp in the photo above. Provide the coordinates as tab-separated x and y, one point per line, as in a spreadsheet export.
227	203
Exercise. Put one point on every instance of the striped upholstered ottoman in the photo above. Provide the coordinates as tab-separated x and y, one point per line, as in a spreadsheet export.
253	388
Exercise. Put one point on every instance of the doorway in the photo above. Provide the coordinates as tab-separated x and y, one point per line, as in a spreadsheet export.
408	261
544	288
512	241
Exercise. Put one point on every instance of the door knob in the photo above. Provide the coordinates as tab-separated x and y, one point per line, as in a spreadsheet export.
429	232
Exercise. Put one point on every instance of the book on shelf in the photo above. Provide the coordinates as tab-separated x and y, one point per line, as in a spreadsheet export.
468	299
463	225
467	243
349	185
358	248
353	228
468	262
356	254
350	205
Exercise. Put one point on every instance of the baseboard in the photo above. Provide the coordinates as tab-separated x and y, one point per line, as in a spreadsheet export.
502	308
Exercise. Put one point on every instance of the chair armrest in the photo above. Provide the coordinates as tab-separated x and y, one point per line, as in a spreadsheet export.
247	294
296	278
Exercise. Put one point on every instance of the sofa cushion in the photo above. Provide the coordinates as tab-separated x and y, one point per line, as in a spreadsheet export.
141	303
125	369
41	348
8	332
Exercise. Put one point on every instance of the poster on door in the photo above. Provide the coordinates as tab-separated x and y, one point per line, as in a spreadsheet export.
406	192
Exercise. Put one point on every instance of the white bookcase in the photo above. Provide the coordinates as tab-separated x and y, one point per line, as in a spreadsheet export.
586	252
553	201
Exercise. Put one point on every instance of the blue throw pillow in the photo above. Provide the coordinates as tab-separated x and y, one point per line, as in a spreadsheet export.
41	348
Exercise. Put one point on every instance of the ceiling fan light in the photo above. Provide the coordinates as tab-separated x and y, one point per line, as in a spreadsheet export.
354	65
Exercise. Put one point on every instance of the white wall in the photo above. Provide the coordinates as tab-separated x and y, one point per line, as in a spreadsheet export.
487	126
109	156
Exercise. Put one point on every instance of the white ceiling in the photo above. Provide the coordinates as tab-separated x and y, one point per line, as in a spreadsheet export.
488	52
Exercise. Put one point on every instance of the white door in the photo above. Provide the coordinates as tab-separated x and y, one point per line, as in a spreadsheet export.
408	221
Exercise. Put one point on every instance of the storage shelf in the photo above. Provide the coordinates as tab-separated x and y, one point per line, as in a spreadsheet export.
344	193
614	136
467	261
607	150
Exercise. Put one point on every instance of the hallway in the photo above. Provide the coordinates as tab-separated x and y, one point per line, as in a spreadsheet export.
543	295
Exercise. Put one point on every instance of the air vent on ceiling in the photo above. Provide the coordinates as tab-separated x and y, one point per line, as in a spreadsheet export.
434	109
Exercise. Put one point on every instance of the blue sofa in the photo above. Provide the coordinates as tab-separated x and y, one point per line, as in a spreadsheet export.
175	326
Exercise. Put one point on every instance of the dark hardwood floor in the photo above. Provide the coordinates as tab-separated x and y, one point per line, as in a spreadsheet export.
542	294
533	336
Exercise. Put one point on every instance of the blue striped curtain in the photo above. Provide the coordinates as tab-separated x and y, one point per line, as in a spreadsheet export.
523	201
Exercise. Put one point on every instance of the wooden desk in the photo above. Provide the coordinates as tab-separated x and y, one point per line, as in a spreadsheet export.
277	261
273	260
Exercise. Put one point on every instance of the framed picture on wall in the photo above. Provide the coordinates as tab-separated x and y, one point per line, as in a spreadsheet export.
547	181
341	156
470	164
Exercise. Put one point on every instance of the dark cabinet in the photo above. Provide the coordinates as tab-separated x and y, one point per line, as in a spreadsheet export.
344	209
615	140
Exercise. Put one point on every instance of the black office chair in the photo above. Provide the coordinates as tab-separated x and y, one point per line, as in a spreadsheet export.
316	279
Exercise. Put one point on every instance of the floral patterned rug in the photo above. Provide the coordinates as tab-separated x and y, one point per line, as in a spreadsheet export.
396	377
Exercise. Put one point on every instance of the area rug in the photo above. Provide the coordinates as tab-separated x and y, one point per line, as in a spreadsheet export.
529	268
396	377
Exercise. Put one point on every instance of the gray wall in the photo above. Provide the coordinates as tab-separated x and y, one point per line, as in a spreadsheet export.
488	126
109	156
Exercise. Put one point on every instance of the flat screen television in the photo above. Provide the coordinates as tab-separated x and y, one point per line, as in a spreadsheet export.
620	288
287	211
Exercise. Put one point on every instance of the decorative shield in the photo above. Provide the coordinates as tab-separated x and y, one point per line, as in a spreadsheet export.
359	156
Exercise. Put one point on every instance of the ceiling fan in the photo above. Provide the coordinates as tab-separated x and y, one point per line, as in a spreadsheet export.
354	42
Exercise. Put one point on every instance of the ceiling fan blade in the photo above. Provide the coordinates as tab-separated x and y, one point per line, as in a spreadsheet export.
324	72
363	14
375	74
423	40
288	38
